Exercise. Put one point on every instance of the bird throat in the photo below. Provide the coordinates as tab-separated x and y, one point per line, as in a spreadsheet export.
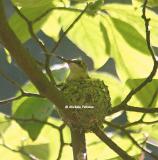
77	76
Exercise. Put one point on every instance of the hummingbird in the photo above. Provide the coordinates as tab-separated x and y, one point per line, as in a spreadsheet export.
88	99
78	69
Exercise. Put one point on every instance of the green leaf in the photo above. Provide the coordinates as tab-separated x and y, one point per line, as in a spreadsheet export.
132	16
20	27
52	22
127	57
67	152
28	87
151	3
46	145
32	108
31	3
153	132
85	33
131	35
67	135
32	11
145	95
149	130
40	151
96	149
4	123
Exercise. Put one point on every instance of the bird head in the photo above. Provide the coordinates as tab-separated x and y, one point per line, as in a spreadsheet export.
78	69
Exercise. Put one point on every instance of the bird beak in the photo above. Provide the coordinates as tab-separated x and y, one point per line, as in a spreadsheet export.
64	59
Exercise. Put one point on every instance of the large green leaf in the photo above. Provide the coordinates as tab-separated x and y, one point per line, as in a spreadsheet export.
51	26
151	3
130	62
46	145
32	11
120	32
31	3
118	90
131	35
89	35
132	16
40	151
149	130
145	95
32	108
126	32
4	123
20	27
96	149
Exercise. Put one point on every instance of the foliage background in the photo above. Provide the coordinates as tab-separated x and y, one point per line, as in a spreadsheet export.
68	49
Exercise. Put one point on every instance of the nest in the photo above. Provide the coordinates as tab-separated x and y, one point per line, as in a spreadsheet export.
88	102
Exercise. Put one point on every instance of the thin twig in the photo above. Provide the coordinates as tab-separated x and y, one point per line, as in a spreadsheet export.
144	110
131	138
111	144
62	143
26	120
141	120
42	16
15	83
150	104
10	100
139	109
155	66
30	28
133	109
142	85
68	29
37	40
23	94
10	80
147	29
59	128
20	150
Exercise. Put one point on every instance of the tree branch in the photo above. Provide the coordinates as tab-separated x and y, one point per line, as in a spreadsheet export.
147	30
131	138
15	83
133	109
62	143
25	120
155	66
23	94
20	150
78	144
38	41
59	128
111	144
68	29
26	62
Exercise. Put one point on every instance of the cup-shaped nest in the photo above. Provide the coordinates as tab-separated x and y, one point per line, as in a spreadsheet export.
88	102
